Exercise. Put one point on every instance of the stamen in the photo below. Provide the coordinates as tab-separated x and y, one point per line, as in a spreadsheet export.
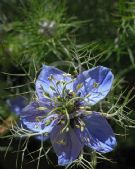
95	85
67	129
42	108
51	87
62	121
82	128
77	126
88	95
61	142
48	122
46	94
64	87
54	85
67	74
46	134
51	77
82	125
79	86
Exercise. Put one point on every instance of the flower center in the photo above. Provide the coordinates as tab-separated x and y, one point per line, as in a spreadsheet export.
69	102
66	103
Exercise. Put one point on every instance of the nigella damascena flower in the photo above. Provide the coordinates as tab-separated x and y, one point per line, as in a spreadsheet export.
16	104
62	111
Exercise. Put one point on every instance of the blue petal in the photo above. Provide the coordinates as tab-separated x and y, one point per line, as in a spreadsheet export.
98	134
37	120
66	145
96	83
43	83
35	109
42	137
16	104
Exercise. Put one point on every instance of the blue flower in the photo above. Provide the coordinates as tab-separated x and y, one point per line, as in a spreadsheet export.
16	104
62	111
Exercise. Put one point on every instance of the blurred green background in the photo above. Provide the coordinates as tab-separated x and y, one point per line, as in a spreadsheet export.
59	33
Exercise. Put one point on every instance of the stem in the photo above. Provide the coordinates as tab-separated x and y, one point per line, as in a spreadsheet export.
94	159
68	120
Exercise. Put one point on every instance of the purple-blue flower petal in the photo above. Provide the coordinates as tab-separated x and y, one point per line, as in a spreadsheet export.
96	83
16	104
66	145
42	137
35	109
50	81
35	118
40	125
97	133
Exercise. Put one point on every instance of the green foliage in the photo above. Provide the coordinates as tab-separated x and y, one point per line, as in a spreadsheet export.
40	31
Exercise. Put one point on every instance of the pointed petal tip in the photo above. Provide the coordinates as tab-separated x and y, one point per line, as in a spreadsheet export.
109	145
62	161
67	145
98	133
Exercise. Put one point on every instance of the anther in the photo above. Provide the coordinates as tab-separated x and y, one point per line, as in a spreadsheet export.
51	77
95	85
67	74
48	122
67	129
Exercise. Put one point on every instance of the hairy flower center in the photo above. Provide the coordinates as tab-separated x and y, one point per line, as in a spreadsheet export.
64	99
66	103
70	103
